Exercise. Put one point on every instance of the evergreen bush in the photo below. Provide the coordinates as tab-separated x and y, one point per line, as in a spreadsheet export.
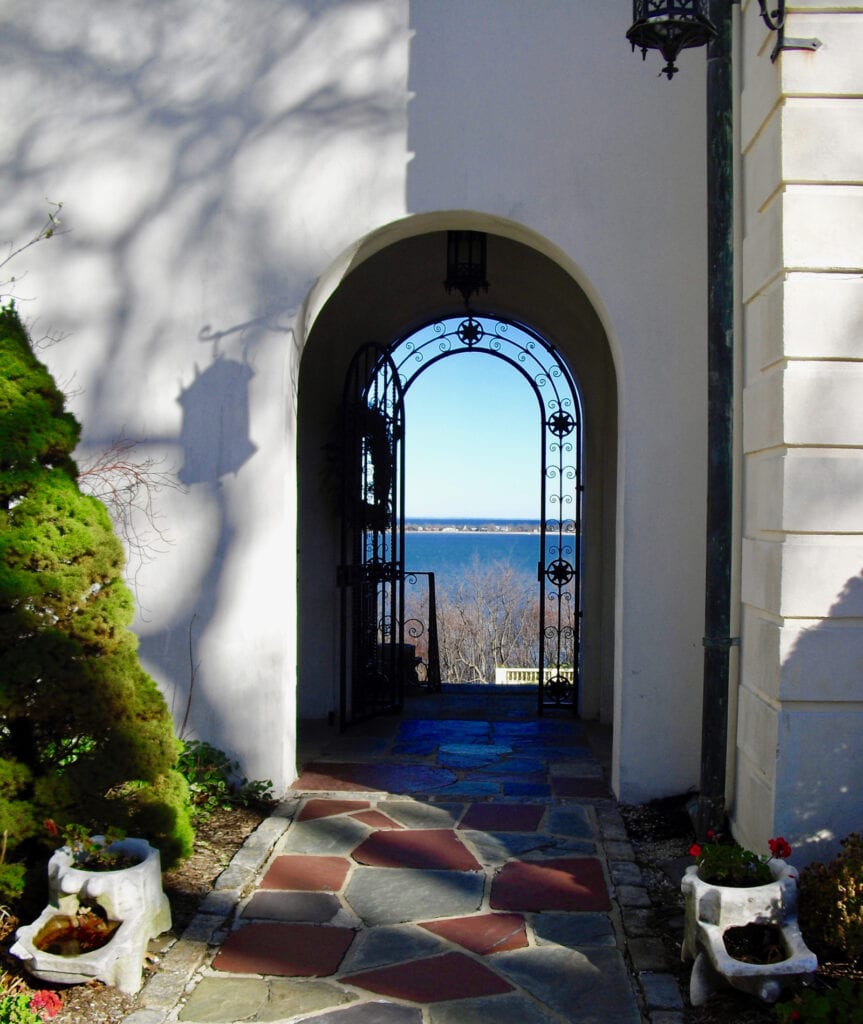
85	735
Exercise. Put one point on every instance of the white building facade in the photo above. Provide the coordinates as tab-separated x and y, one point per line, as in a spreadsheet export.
254	190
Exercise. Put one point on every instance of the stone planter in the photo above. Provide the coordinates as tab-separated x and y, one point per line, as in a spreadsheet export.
712	909
131	896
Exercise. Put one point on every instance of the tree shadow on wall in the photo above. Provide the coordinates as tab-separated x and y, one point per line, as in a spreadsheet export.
215	442
820	748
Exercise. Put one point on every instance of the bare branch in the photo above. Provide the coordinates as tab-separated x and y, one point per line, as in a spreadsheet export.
491	619
47	230
127	484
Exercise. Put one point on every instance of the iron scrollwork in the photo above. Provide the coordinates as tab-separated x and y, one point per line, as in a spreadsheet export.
559	570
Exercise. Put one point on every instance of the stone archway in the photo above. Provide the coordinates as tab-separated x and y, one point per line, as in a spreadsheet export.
386	287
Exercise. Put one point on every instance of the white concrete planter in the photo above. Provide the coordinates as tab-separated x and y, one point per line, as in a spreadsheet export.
712	909
132	896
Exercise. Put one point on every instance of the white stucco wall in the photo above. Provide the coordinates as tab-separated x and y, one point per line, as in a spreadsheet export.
212	158
215	158
800	724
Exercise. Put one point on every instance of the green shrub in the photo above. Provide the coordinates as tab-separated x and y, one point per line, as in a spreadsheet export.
831	903
840	1005
85	734
213	780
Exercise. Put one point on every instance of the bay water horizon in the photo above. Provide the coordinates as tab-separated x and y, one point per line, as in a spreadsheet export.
454	547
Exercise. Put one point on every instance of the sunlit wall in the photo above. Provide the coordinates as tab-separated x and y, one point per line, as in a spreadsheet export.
215	158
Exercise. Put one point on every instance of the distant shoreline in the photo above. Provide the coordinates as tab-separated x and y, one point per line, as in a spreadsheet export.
472	526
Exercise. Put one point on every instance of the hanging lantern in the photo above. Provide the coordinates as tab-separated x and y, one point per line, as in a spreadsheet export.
669	26
466	262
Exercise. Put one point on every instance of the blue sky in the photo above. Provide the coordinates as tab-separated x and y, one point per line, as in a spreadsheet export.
472	440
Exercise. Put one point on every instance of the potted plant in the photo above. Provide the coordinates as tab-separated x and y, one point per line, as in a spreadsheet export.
105	904
93	853
729	864
741	921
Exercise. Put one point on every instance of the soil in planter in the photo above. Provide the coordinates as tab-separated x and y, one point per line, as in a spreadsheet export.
107	860
83	932
755	944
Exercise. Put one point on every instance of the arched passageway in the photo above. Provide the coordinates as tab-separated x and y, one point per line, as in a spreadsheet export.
373	571
385	295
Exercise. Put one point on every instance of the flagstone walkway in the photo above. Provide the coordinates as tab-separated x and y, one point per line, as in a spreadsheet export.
462	864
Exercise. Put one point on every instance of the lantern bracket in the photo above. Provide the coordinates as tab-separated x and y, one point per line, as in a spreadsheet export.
775	21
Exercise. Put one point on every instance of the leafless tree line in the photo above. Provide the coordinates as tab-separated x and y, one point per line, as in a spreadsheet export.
490	619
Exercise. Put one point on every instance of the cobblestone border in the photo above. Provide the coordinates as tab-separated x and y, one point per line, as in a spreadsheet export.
645	949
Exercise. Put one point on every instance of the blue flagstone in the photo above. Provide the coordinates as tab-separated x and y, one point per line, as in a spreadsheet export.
218	1000
585	986
541	727
417	814
471	755
391	944
337	836
308	907
508	1008
499	847
573	930
420	747
537	789
469	788
517	766
445	731
490	750
571	821
554	752
288	998
397	895
375	1012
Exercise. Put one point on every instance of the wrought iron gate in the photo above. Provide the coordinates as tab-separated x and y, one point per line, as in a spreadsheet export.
559	489
372	571
370	576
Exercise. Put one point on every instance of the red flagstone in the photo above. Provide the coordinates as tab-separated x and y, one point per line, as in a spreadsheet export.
584	788
391	778
286	950
482	933
503	817
376	819
564	884
433	980
313	809
330	777
430	848
306	873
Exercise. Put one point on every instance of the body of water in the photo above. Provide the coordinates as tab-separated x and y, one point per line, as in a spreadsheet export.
451	553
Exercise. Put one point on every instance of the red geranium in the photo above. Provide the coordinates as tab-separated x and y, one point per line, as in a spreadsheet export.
779	848
46	1002
695	850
